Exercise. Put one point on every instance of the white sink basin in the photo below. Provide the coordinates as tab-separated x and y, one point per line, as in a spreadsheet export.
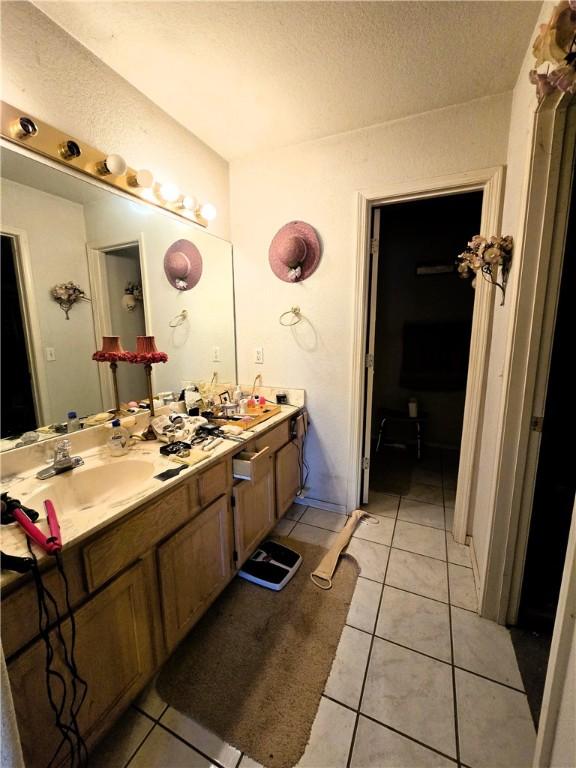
86	487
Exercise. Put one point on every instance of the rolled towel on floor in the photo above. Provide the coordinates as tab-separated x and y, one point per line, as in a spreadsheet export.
322	576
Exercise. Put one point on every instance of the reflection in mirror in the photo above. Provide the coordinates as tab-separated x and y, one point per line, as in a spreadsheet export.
59	227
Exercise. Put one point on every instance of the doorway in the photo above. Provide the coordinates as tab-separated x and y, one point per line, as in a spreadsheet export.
420	320
116	284
19	409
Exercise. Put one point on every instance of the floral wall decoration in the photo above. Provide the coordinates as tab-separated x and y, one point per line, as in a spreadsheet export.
67	294
132	295
556	46
486	256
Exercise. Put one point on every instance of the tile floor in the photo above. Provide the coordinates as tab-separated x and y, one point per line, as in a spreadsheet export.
419	679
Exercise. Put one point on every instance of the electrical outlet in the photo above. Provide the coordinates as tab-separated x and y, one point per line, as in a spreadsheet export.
216	355
259	355
50	354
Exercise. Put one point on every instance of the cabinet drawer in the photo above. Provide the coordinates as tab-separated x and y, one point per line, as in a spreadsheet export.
213	483
274	439
126	542
251	465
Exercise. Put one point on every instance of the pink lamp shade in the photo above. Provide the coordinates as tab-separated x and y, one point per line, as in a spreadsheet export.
147	352
111	351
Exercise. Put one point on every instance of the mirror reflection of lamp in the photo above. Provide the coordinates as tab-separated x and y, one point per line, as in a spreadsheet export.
112	353
146	354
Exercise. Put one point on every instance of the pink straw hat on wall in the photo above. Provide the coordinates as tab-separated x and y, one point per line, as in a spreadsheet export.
294	251
183	265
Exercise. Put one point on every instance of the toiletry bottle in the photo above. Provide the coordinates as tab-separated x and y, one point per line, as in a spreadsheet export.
73	423
119	441
237	394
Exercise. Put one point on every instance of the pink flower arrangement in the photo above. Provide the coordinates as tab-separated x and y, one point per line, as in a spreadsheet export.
67	294
485	255
556	44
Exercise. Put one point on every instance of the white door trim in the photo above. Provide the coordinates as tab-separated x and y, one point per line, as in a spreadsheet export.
540	234
32	327
560	649
490	182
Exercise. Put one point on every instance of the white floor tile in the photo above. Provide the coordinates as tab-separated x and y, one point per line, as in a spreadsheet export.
459	554
377	528
376	746
332	521
347	674
371	558
449	515
431	494
283	527
313	535
484	647
417	573
462	587
411	693
449	497
330	738
420	539
201	738
161	749
427	476
295	512
384	504
122	741
247	762
495	726
416	622
364	605
150	702
423	514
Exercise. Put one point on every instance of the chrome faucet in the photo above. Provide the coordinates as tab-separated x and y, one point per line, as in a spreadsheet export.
62	461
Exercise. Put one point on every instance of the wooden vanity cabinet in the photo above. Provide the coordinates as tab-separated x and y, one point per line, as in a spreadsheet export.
194	566
114	654
287	475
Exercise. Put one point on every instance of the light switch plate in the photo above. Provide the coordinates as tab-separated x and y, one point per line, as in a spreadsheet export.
50	354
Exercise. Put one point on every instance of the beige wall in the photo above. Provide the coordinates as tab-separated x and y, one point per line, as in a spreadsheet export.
51	75
317	182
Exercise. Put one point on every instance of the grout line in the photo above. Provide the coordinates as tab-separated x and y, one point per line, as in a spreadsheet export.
411	552
148	715
453	670
211	760
489	679
144	740
320	527
353	739
420	653
424	525
407	736
240	759
133	754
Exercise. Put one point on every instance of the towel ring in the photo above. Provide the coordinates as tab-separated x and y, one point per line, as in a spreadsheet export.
292	311
179	319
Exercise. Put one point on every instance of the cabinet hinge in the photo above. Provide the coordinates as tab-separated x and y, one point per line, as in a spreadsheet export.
235	556
374	245
537	423
365	462
233	501
369	360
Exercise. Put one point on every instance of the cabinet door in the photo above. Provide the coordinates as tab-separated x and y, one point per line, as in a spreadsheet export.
195	564
254	512
114	654
287	476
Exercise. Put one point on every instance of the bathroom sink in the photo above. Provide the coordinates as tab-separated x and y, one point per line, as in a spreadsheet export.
87	487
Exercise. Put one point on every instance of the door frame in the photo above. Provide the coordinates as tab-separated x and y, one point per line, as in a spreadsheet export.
539	257
98	275
31	322
490	181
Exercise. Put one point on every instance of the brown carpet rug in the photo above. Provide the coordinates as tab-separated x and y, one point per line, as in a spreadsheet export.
253	669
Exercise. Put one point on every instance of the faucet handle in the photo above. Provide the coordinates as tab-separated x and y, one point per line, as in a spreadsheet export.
62	447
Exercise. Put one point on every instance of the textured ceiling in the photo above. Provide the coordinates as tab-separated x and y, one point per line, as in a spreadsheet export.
245	76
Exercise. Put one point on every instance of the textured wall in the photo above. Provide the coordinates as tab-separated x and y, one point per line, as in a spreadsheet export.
317	181
49	74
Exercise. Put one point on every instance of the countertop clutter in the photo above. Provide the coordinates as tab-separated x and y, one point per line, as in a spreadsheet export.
105	488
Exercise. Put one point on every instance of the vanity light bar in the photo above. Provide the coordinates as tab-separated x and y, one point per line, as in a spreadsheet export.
20	128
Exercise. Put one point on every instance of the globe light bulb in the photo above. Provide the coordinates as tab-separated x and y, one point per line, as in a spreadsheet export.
208	211
169	192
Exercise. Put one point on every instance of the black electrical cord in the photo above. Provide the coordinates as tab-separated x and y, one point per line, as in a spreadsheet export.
70	730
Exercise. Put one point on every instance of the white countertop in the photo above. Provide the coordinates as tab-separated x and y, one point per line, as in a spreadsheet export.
110	504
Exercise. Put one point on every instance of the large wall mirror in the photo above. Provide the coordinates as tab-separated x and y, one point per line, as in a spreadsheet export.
59	227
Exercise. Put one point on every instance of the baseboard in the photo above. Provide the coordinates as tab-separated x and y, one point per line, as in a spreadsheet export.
328	506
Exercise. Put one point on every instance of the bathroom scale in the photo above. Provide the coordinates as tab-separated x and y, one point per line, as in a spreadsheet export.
271	566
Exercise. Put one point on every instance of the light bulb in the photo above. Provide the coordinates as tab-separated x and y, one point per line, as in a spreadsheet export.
169	192
208	211
148	194
190	203
142	178
113	164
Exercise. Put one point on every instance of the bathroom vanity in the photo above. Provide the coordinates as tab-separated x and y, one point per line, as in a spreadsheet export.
143	572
